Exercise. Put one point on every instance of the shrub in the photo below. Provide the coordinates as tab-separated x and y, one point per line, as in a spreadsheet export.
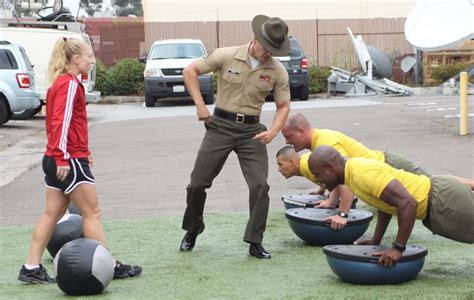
126	78
318	79
101	83
442	73
215	81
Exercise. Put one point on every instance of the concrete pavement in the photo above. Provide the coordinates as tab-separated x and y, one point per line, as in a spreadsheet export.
145	155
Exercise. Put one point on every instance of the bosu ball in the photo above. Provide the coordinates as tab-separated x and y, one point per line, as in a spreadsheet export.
355	264
300	200
83	267
68	228
310	226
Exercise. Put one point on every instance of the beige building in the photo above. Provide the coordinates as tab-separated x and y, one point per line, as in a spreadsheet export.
320	25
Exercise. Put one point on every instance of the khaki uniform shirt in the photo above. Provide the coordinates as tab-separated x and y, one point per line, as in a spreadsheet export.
241	89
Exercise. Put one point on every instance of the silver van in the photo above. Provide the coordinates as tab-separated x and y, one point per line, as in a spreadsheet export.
17	82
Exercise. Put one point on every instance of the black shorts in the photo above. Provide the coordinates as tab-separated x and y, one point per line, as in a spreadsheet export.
79	173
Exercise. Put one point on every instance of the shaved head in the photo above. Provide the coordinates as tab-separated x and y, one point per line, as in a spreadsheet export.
298	132
327	165
296	121
324	154
288	162
287	153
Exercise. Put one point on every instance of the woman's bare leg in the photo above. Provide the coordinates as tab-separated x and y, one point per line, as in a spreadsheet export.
56	205
84	196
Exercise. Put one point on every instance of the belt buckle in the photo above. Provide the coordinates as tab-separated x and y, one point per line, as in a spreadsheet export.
239	119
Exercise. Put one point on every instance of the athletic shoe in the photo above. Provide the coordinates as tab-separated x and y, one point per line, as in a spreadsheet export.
36	275
125	271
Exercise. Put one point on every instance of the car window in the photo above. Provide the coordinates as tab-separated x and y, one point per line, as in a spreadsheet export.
294	48
167	51
27	59
7	60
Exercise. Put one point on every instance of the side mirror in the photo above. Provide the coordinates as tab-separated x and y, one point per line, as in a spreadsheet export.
142	59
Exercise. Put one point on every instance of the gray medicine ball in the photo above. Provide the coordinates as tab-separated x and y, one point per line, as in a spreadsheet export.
67	229
72	208
83	267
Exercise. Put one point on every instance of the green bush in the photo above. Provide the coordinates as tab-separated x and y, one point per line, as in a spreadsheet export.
101	83
126	78
318	79
215	81
442	73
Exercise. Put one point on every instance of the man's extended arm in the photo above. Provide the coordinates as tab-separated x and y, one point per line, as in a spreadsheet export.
397	195
281	114
191	80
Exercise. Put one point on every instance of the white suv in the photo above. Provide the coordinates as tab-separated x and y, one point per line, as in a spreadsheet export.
164	70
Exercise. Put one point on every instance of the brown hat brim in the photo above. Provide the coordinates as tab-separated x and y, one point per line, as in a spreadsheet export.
257	23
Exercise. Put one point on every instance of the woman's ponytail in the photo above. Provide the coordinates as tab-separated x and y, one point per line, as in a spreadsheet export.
63	51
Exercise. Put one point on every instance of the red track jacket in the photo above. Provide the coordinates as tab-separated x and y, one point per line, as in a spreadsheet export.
66	120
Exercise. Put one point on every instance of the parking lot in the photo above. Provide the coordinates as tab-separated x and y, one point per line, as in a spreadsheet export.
144	155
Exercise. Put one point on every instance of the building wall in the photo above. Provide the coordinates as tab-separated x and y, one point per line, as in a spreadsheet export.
114	39
325	42
242	10
320	25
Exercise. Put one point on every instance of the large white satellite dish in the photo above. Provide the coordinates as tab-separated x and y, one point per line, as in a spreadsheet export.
362	53
435	25
373	61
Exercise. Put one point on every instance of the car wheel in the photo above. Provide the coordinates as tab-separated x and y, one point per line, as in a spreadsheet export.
294	93
209	98
5	113
304	92
149	100
26	114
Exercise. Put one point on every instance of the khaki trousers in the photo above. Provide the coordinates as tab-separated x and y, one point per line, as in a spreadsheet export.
398	161
222	137
450	209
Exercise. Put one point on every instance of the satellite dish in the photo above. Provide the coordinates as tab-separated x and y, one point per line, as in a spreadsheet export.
434	25
407	64
382	67
362	53
373	60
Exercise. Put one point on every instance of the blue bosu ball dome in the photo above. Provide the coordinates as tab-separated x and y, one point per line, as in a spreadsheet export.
309	225
355	264
300	200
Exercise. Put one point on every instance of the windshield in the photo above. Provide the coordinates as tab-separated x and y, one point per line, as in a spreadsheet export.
167	51
295	48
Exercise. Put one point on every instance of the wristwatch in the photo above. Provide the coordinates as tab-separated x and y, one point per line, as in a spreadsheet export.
342	214
398	247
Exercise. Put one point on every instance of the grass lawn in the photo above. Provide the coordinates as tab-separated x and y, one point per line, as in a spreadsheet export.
219	268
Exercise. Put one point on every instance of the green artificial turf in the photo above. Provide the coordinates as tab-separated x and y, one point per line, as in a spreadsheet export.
219	268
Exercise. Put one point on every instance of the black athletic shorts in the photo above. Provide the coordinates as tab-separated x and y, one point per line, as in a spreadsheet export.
79	173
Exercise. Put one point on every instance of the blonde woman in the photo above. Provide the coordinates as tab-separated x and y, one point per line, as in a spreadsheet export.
67	159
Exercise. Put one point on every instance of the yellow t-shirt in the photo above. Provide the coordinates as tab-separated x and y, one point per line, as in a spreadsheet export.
348	147
305	171
367	178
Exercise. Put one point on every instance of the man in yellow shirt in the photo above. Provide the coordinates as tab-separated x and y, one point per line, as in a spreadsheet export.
292	164
299	133
444	203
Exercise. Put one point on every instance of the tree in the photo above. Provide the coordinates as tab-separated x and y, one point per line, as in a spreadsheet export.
128	7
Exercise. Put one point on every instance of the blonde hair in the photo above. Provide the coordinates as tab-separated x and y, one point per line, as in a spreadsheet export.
63	51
